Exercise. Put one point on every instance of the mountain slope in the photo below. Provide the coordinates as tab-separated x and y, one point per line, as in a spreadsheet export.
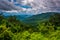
39	18
20	16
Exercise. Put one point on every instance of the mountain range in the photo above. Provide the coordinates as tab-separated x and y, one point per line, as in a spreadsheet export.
18	15
31	19
39	18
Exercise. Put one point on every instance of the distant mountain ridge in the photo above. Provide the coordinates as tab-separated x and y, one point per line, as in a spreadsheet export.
30	18
18	15
39	17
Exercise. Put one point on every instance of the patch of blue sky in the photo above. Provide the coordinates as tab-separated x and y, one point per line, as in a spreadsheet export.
23	6
9	0
13	0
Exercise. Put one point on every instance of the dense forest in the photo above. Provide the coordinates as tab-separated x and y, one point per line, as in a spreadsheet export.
12	28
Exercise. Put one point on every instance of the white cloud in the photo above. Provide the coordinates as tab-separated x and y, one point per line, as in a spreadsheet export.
24	2
24	9
12	11
37	6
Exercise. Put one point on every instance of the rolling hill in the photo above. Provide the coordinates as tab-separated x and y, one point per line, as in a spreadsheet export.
39	18
20	16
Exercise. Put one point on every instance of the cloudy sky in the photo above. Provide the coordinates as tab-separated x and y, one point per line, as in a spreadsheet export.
33	6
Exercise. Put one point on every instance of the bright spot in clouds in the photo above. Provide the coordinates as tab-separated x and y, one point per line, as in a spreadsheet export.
24	2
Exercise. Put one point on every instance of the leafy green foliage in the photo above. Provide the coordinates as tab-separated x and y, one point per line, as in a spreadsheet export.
38	18
13	29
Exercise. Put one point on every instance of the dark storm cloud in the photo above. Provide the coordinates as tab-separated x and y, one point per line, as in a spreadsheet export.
37	5
5	5
46	5
43	5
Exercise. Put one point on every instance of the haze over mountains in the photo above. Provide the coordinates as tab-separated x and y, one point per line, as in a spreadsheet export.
38	18
28	8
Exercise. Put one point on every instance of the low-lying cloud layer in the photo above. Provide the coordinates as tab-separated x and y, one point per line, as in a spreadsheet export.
36	5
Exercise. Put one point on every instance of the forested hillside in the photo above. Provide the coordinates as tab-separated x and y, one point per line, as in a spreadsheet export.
13	29
39	18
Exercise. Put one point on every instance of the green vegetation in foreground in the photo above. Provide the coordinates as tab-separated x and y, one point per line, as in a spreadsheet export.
13	29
